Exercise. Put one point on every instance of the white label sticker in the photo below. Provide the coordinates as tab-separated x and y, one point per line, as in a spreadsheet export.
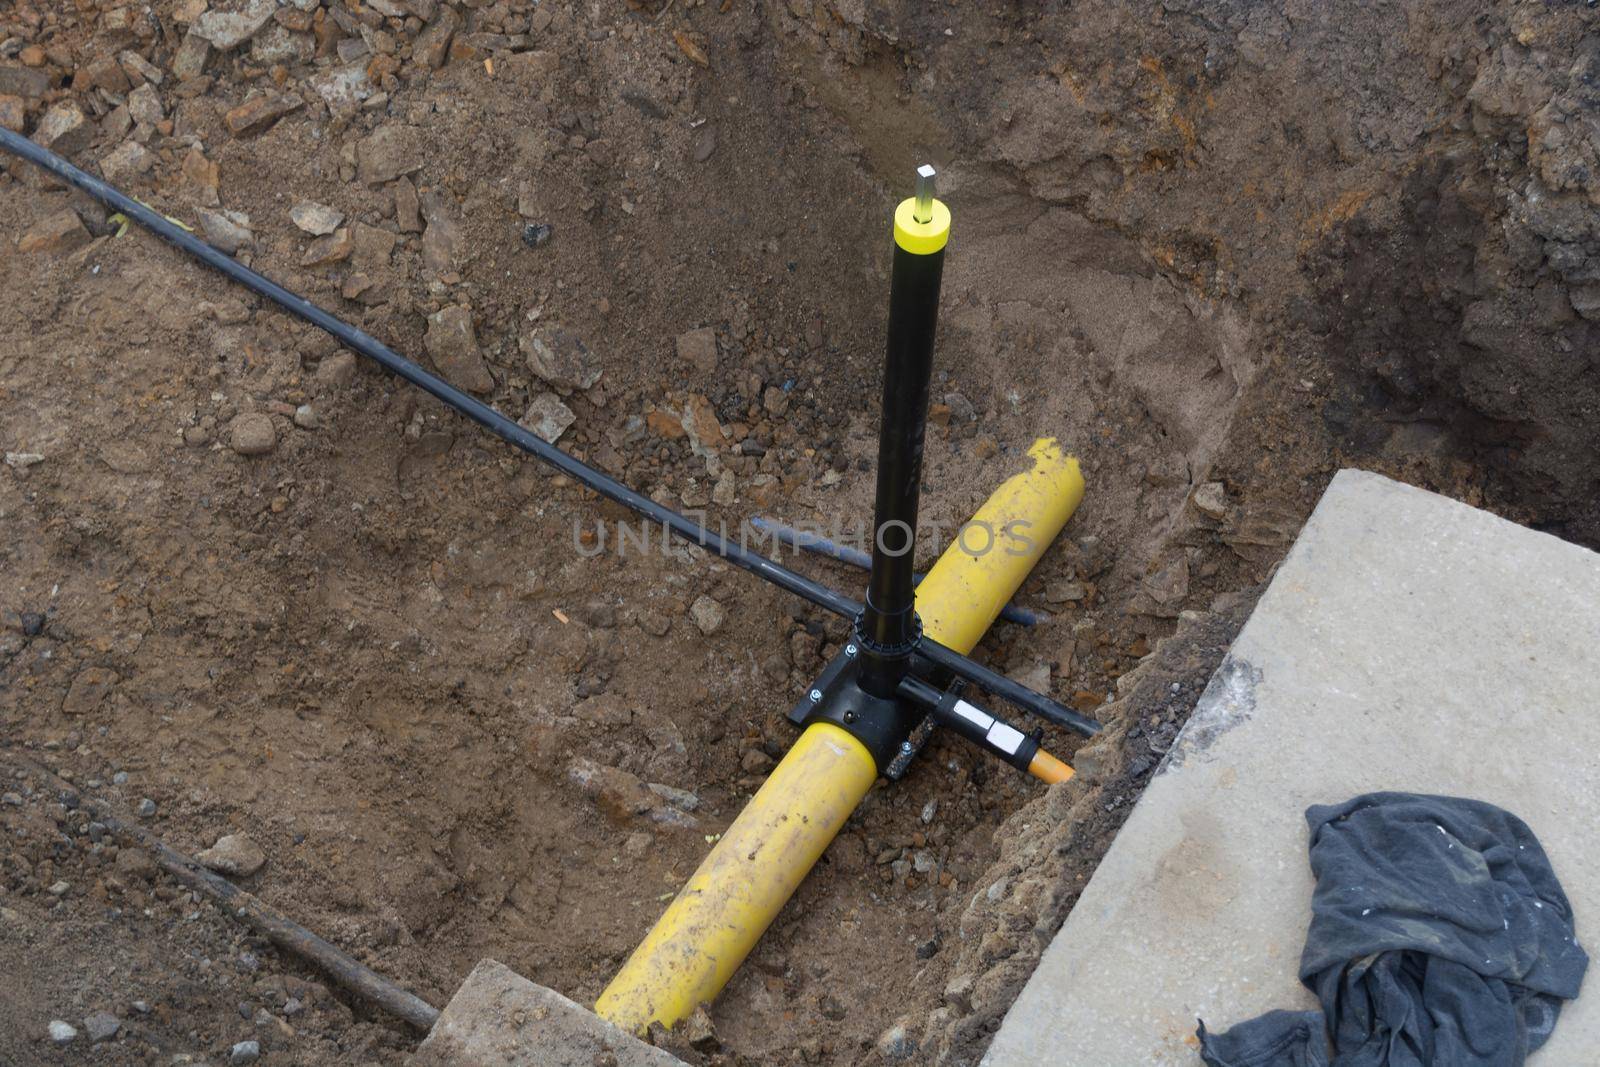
1006	738
973	715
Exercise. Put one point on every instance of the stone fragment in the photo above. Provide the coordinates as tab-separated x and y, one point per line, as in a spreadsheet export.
229	231
325	251
441	241
698	348
144	105
202	176
387	153
234	854
13	113
548	417
226	29
433	43
103	73
102	1026
371	246
62	1033
140	69
258	113
252	434
1211	500
319	220
189	61
407	208
60	232
128	160
561	359
343	89
278	44
707	614
64	130
26	82
453	345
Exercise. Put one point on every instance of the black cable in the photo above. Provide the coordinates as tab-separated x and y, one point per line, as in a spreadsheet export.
509	430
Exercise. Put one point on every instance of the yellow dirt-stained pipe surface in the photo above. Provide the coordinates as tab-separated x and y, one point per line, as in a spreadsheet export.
728	903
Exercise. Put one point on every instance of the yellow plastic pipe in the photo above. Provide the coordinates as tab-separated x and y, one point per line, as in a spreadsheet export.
728	903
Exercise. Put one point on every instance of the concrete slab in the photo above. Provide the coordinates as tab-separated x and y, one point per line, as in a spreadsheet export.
500	1019
1408	642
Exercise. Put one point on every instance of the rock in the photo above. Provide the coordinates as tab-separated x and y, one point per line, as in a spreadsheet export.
726	491
387	153
775	401
705	143
279	44
201	175
537	234
1064	591
1585	300
561	359
59	889
407	208
61	232
258	113
1211	500
755	761
681	799
622	797
135	863
1162	593
305	417
189	61
102	1026
12	800
337	371
227	30
318	220
144	105
548	417
89	687
23	460
244	1053
64	129
62	1033
454	347
252	434
27	82
103	73
442	239
229	231
343	89
326	251
699	1031
139	68
896	1043
13	113
698	348
371	246
128	160
433	43
707	614
233	854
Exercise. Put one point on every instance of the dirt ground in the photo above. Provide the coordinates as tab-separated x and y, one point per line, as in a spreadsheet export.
1221	249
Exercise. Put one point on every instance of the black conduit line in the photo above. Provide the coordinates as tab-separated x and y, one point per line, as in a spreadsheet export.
523	438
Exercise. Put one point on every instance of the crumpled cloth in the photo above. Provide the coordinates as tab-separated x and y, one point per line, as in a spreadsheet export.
1439	937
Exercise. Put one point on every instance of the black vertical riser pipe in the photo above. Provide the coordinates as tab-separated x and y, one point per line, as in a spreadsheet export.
888	629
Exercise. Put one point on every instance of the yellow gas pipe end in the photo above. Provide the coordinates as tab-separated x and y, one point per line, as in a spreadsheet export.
739	888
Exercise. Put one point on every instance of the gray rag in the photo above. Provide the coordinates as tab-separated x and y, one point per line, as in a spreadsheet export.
1439	937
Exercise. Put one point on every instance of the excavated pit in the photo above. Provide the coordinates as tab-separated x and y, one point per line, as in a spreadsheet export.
1219	249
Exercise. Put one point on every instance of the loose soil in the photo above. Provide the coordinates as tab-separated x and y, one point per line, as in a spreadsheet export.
1219	249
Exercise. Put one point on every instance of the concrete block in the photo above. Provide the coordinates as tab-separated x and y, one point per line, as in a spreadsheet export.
1408	642
500	1019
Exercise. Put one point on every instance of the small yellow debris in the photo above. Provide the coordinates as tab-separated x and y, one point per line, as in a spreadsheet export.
691	48
561	615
